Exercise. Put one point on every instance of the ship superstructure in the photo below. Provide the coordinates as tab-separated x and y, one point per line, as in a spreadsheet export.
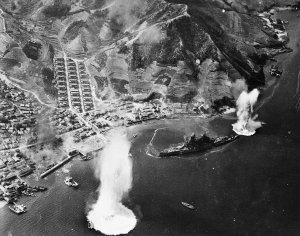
193	144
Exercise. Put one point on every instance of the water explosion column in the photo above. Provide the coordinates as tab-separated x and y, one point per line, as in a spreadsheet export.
108	215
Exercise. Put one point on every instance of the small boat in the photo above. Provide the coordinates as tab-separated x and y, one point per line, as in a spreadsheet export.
135	135
32	189
90	225
18	208
27	193
185	204
274	71
42	188
70	182
50	166
85	158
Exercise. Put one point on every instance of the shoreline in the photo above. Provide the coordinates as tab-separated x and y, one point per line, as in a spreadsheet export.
280	59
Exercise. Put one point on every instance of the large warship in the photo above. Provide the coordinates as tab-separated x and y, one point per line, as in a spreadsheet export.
193	144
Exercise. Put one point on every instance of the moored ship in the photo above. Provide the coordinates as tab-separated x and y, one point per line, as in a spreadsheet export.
194	144
28	193
18	208
187	205
41	188
70	182
90	224
85	158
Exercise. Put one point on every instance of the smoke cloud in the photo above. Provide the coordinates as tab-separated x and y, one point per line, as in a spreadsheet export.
126	12
151	35
108	215
246	124
238	86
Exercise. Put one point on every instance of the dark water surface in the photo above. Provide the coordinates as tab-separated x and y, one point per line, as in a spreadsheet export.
250	187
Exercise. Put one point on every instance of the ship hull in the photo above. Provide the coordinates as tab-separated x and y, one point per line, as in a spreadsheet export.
180	150
185	151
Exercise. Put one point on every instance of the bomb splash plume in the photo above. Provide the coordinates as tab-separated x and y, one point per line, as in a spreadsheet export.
246	124
108	215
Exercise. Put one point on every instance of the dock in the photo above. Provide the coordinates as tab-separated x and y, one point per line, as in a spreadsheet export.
57	166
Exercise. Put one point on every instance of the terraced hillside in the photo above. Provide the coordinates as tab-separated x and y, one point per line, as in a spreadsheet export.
176	50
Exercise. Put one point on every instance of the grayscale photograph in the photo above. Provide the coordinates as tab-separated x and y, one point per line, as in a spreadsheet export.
150	117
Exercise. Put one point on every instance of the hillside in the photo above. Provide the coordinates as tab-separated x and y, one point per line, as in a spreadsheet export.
176	50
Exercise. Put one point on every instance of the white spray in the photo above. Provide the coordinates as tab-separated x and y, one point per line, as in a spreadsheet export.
108	215
246	124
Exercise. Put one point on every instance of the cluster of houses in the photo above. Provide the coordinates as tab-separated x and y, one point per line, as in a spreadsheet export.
64	121
83	134
195	108
14	165
120	112
73	85
87	99
274	28
61	82
10	190
75	97
30	26
17	115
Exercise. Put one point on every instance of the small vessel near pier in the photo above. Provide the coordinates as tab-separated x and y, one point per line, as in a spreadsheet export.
18	208
69	181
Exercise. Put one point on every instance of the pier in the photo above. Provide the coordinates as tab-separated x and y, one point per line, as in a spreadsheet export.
60	164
